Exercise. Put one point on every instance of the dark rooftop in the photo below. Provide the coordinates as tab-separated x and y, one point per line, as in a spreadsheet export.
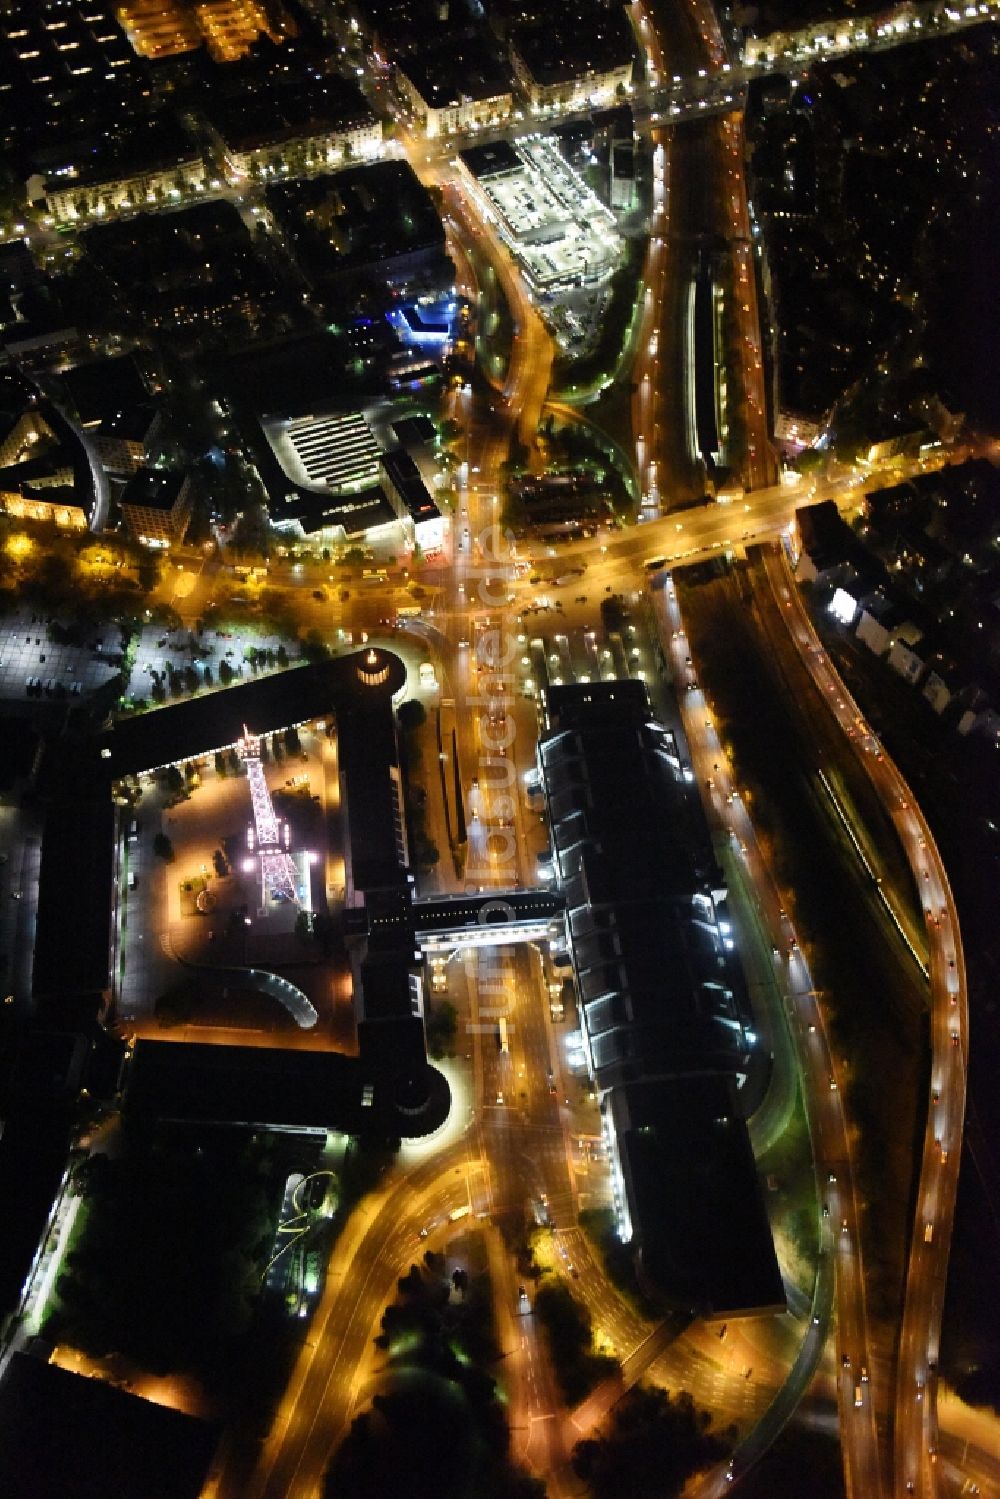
272	113
105	388
364	216
411	431
154	489
660	992
492	159
577	37
288	1089
831	543
150	145
175	733
405	476
703	1231
66	1436
456	69
354	513
72	949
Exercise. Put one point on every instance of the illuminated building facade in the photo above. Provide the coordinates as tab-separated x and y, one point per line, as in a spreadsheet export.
166	28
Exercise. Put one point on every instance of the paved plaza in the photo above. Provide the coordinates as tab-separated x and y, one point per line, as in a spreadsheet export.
34	666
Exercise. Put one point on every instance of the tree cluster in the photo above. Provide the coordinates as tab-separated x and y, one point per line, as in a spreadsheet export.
440	1028
569	1335
656	1442
169	1263
437	1431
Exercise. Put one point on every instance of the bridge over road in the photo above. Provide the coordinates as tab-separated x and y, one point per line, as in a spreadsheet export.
492	919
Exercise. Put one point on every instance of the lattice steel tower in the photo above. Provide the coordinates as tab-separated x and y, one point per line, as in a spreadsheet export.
277	869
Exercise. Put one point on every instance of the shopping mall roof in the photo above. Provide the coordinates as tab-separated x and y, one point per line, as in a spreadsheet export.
660	991
699	1216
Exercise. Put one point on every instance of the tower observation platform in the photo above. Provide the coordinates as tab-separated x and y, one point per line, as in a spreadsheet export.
277	869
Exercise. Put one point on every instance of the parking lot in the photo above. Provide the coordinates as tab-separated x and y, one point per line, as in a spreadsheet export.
563	234
28	654
34	666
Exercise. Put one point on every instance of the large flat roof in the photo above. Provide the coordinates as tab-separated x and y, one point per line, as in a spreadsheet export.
660	993
389	1092
575	39
72	948
274	112
491	158
701	1223
67	1436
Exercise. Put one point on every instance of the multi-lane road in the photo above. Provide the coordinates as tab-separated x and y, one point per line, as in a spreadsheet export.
821	1090
914	1404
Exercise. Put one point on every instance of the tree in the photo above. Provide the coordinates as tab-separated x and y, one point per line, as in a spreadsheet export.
436	1429
412	715
220	763
173	780
314	647
293	743
568	1329
155	1213
163	848
657	1441
441	1027
148	567
225	672
425	851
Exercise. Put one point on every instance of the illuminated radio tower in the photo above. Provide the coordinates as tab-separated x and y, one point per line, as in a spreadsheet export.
277	871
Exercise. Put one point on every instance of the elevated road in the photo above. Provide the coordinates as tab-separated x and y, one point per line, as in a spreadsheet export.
915	1426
